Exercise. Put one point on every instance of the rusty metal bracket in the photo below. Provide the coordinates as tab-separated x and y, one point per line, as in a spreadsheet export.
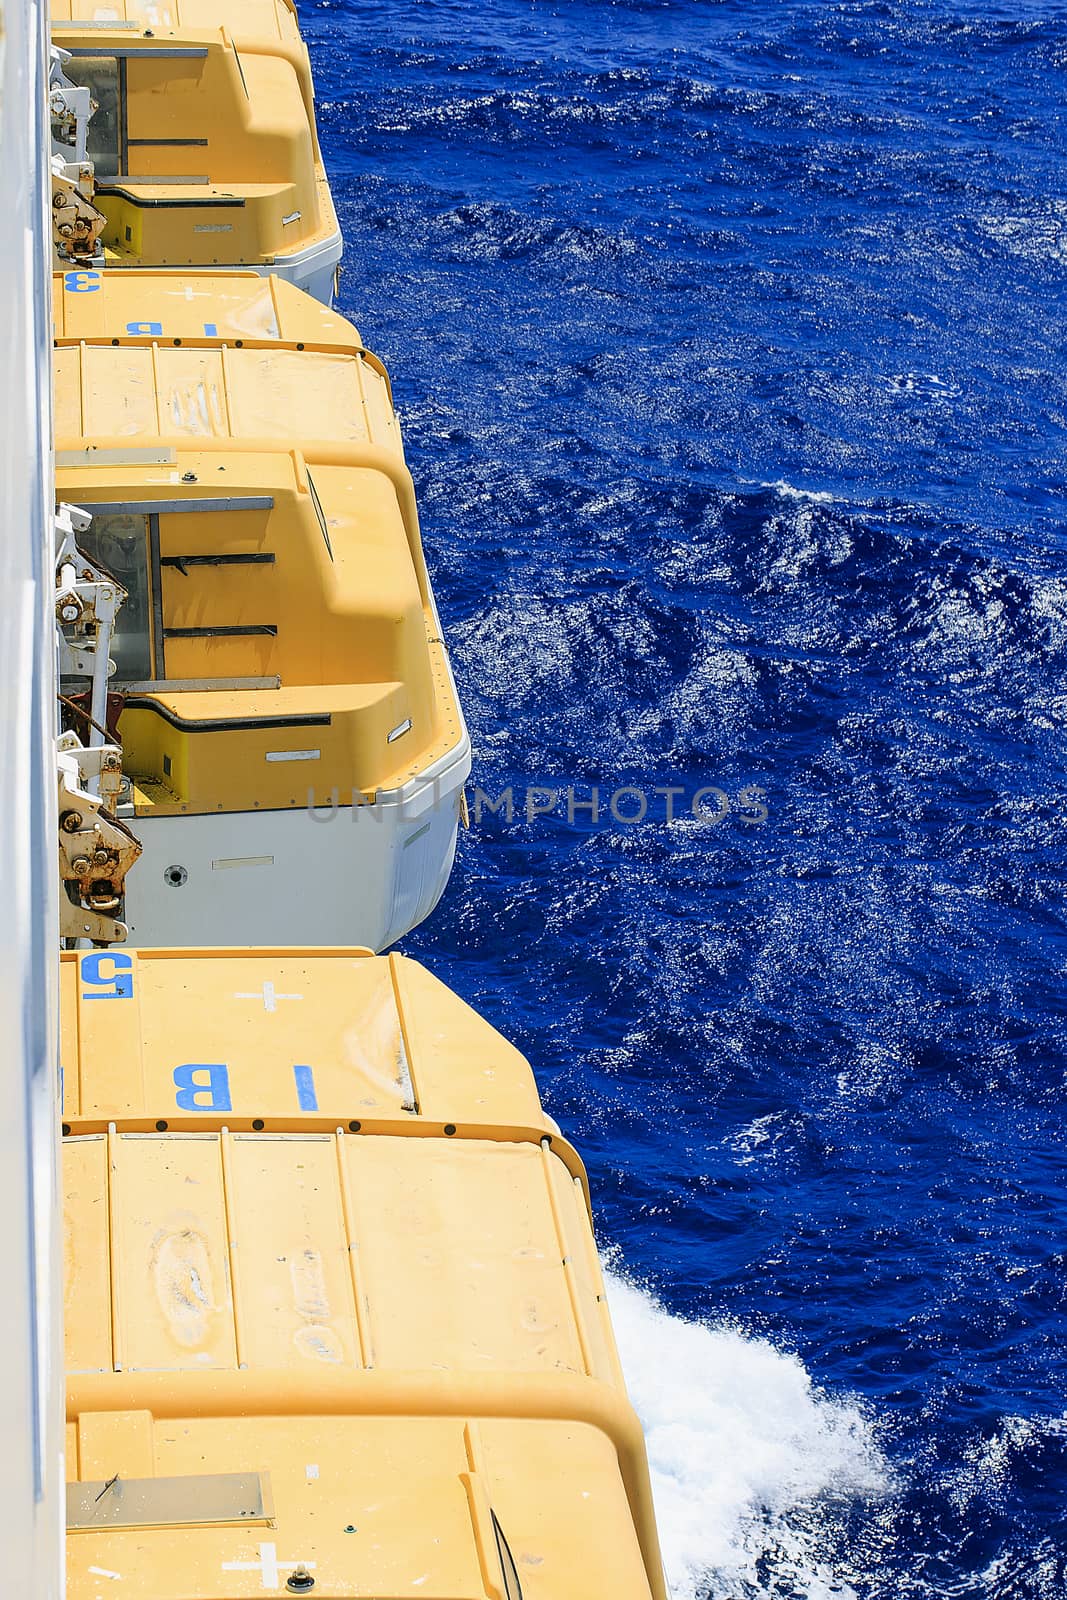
96	849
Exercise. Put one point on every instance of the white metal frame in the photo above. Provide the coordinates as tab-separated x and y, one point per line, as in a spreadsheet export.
31	1395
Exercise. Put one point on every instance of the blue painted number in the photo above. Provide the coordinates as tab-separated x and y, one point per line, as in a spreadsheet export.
111	975
81	282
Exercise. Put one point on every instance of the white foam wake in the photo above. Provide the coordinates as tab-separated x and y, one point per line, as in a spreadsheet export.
751	1466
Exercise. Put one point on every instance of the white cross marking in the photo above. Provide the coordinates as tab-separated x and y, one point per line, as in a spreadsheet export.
267	1565
268	996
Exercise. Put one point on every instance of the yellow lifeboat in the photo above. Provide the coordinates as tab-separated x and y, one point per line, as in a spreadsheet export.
293	743
201	146
335	1323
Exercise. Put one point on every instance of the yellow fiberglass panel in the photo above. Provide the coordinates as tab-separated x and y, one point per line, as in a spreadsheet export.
70	1065
587	1283
293	1292
204	304
254	655
452	1047
279	394
86	1255
374	576
374	1506
557	1494
182	97
169	1254
236	592
115	1441
230	305
204	596
278	128
285	1034
382	425
265	21
252	19
109	1036
150	13
118	391
67	394
464	1229
191	392
339	1034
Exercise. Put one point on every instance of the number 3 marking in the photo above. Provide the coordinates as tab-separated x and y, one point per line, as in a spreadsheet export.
81	282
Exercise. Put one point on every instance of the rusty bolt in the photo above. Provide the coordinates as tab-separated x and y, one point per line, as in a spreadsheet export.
70	821
112	763
70	612
101	857
80	865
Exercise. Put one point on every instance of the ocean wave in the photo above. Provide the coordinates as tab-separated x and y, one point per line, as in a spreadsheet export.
755	1473
729	342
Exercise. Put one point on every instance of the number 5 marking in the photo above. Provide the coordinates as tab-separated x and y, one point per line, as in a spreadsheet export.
112	975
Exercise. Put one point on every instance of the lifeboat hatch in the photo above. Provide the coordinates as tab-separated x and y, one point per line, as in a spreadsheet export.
199	1499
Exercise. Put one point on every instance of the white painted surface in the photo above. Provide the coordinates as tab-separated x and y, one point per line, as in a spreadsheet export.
355	875
31	1396
311	270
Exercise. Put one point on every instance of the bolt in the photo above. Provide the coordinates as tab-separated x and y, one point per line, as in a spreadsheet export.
80	865
69	613
189	477
300	1580
101	857
70	821
112	763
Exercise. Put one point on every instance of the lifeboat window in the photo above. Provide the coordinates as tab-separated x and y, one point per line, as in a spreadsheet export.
317	503
512	1586
241	70
122	544
105	79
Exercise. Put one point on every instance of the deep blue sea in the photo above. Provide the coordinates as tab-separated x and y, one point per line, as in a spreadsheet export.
729	345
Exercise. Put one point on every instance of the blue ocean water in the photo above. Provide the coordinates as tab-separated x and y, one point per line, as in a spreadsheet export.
728	341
